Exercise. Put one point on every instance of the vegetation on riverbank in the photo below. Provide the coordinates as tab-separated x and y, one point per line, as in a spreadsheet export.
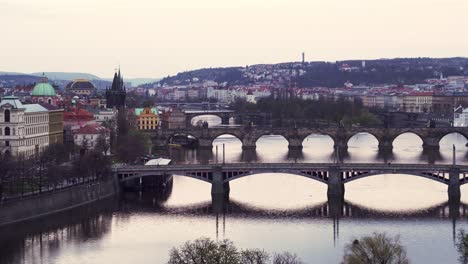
309	111
378	248
57	166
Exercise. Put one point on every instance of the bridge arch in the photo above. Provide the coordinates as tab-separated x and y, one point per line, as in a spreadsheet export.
270	135
171	138
202	177
314	141
398	136
374	138
318	134
452	133
442	178
218	135
320	177
192	119
224	115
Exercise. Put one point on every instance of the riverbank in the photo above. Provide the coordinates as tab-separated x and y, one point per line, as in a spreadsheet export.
54	202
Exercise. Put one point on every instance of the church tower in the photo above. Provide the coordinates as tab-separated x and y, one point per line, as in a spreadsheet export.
115	96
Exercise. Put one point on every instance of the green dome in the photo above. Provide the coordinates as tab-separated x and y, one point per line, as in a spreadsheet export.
43	89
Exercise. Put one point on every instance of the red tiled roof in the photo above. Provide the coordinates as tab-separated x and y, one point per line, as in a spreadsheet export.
77	114
92	129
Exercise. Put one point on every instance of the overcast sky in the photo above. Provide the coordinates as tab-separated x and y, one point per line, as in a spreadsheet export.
156	38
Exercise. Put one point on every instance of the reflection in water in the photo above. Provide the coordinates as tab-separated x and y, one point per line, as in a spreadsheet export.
43	240
277	211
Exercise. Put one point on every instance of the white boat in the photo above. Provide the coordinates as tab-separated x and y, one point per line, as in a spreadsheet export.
158	162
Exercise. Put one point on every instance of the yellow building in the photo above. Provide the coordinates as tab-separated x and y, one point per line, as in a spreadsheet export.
147	118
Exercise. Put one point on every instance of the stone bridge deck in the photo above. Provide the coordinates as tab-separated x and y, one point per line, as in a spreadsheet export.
295	136
333	174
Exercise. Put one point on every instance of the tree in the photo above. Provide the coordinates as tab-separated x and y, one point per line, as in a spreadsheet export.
254	256
206	251
462	246
101	144
6	169
131	146
378	248
286	258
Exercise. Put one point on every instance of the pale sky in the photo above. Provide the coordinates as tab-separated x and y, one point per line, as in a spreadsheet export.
156	38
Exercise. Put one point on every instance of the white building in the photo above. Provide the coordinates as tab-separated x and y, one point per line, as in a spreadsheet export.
24	128
87	136
460	117
105	115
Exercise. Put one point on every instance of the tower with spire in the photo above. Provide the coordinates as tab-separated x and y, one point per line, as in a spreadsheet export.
116	94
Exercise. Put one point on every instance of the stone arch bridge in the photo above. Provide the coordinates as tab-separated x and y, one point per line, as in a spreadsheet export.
295	136
333	174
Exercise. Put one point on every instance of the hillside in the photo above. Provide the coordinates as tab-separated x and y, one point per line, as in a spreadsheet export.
329	74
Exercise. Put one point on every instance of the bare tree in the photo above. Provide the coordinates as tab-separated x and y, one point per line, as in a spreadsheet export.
286	258
254	256
206	251
375	249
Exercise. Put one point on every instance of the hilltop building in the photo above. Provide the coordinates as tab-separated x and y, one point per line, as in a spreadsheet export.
80	87
43	92
115	96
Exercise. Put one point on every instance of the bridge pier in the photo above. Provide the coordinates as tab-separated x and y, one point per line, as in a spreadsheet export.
341	145
204	143
336	187
295	144
218	186
454	193
225	120
248	143
385	146
431	144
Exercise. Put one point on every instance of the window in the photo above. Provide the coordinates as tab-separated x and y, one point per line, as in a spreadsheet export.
7	131
7	116
7	143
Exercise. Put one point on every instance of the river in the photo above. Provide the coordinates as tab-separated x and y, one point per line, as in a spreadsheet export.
289	213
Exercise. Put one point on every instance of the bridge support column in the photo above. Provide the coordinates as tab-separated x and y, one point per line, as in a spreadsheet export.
431	144
205	143
385	145
454	193
341	145
295	143
336	188
248	144
218	186
225	120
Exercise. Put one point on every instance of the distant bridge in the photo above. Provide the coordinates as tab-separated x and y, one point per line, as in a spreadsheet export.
295	136
225	115
333	174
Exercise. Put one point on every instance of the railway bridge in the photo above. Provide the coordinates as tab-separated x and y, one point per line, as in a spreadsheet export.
334	175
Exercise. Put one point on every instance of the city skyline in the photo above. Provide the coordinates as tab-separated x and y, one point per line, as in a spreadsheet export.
156	38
